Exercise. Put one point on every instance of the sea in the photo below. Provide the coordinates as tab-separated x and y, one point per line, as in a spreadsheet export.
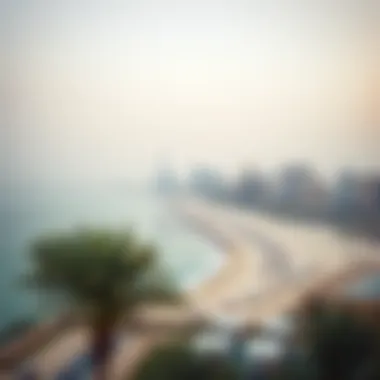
29	211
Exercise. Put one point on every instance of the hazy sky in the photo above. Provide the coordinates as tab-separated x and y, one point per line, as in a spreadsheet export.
103	89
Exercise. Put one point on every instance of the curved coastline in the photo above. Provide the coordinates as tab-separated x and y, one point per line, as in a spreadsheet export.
207	230
237	270
200	257
211	288
222	244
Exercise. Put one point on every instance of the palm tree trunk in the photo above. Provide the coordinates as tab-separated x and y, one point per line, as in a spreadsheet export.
101	348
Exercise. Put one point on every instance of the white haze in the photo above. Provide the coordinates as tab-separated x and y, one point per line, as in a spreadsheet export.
107	89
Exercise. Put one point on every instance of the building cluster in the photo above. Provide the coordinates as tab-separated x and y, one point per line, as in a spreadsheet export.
296	190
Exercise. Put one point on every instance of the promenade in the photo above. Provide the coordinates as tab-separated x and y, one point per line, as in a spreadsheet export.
268	267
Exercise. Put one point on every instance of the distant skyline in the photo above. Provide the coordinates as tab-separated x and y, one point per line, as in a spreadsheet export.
105	89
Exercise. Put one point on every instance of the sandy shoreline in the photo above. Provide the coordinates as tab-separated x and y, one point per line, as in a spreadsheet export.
242	270
318	256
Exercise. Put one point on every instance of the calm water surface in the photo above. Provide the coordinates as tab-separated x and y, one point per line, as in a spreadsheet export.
27	212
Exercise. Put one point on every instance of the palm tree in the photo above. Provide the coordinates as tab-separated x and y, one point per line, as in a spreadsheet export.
105	274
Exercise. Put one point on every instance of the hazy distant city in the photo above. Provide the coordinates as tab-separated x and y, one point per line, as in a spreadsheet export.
352	200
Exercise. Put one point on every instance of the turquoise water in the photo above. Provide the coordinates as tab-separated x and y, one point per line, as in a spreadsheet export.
28	212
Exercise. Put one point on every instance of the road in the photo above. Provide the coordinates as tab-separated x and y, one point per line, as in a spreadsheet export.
269	263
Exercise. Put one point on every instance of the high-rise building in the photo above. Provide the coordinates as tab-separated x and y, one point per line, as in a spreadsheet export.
356	194
298	185
369	195
250	187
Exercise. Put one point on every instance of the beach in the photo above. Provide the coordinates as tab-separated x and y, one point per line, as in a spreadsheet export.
302	259
267	268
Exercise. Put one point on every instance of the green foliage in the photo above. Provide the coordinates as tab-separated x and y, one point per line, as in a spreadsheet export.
339	344
180	361
101	269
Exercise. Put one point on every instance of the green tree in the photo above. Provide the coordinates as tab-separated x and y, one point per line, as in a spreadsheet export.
105	275
339	344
